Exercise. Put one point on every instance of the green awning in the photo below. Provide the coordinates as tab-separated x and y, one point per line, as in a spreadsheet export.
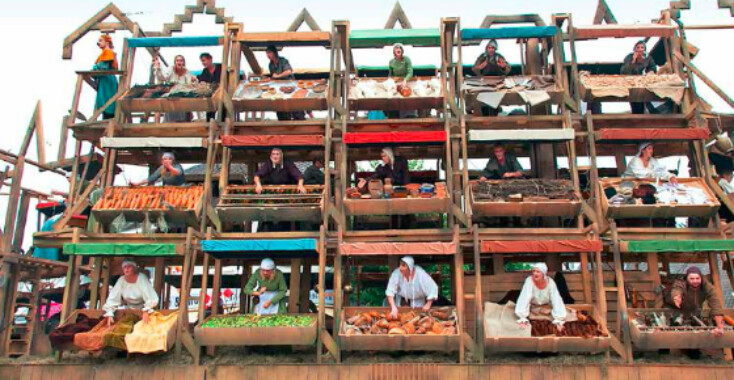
680	245
377	38
120	249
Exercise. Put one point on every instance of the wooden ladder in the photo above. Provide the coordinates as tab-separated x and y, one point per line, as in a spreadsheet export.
19	337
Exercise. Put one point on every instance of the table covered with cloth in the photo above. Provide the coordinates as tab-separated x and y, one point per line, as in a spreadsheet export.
102	336
63	336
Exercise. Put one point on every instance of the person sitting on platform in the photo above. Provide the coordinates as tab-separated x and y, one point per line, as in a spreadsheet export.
268	284
638	63
132	289
410	285
725	177
171	173
539	290
491	63
314	174
280	68
106	84
502	165
644	165
395	168
688	296
178	75
400	68
278	171
211	73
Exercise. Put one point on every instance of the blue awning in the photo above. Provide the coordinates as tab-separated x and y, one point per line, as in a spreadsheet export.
509	32
175	41
257	249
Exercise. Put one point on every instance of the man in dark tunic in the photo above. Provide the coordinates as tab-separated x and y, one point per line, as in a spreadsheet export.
212	73
313	174
638	63
491	63
280	68
278	171
502	165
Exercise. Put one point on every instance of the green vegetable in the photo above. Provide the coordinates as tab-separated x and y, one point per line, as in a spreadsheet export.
252	320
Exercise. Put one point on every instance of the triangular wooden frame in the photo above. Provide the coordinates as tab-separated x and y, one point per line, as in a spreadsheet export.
95	23
304	17
604	13
677	6
202	7
398	15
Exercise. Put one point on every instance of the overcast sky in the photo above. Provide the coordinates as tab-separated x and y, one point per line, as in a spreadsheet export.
32	34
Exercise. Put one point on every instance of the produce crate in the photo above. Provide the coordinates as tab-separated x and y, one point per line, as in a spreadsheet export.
256	336
208	104
440	203
187	214
276	203
397	103
657	210
511	96
552	343
680	338
445	343
636	93
284	102
550	207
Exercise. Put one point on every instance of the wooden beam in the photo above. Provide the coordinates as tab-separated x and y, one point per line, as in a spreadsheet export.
704	78
398	15
604	13
303	17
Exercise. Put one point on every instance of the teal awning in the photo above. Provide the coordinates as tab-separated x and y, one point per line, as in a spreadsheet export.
120	249
376	38
641	246
510	32
175	41
258	249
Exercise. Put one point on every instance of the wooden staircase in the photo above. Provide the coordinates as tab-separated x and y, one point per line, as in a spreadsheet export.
18	336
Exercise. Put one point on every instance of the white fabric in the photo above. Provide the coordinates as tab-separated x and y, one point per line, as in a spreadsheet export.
542	267
267	264
170	76
410	261
564	134
267	296
534	97
654	169
500	321
152	142
139	295
129	262
417	290
726	186
492	99
531	295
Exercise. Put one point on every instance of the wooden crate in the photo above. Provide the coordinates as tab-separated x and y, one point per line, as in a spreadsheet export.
657	210
446	343
396	206
189	217
700	338
636	94
209	104
396	103
552	343
256	336
283	211
280	105
551	207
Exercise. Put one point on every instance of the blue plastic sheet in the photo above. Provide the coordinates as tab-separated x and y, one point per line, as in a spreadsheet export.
256	249
174	41
509	32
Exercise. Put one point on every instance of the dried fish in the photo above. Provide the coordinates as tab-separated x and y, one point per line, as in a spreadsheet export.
500	191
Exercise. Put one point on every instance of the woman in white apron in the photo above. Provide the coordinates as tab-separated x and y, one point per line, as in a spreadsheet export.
133	290
268	284
410	285
539	290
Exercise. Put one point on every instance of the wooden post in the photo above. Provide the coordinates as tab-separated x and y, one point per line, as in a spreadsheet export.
305	286
159	277
478	302
204	287
652	267
20	225
72	280
95	282
585	276
295	286
621	298
459	284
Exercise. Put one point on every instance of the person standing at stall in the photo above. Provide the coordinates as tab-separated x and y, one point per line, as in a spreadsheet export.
171	173
178	75
106	84
689	294
396	170
132	289
400	68
502	165
540	290
280	68
211	73
644	165
491	63
410	285
638	63
278	171
268	284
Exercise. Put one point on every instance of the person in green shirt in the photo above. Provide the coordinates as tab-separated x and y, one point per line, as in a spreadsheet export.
268	283
400	66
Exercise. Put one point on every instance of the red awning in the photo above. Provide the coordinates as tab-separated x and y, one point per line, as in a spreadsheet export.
653	134
537	246
395	137
272	140
428	248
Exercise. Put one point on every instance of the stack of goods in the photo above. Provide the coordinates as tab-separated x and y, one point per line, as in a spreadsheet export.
158	334
524	190
63	336
256	320
377	190
669	86
246	195
584	327
441	321
167	90
104	335
371	88
675	321
637	193
160	198
513	84
280	89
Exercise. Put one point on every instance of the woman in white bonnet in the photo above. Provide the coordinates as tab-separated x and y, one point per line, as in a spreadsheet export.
133	290
539	289
644	165
412	285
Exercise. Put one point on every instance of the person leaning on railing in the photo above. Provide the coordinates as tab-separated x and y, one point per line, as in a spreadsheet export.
491	63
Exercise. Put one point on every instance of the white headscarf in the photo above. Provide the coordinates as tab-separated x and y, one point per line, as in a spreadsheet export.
409	261
169	155
399	45
541	267
642	146
267	264
131	263
389	153
492	43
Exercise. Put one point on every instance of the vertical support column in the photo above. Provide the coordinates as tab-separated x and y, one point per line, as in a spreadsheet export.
585	276
622	328
72	281
478	302
338	291
322	299
295	286
654	273
303	301
459	281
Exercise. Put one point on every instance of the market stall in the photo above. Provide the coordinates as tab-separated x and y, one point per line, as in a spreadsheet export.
631	88
276	203
525	198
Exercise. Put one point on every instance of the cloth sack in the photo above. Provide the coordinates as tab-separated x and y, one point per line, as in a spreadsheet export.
159	334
